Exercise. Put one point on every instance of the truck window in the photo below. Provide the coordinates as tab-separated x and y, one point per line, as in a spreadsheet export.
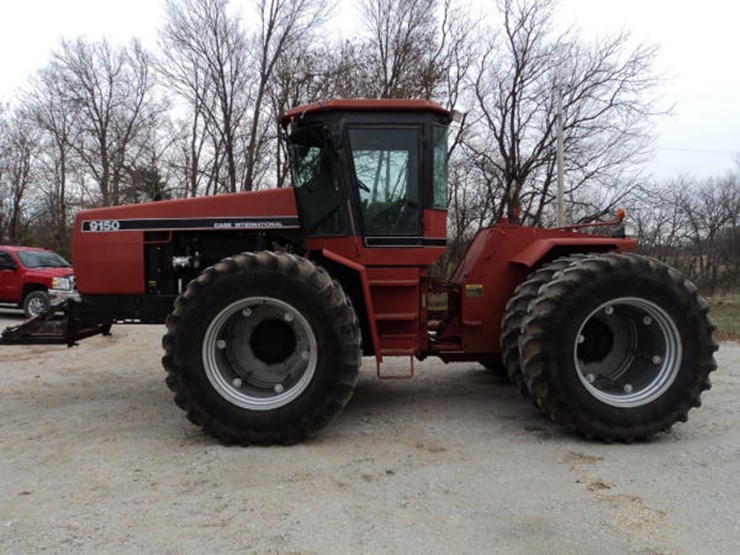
6	261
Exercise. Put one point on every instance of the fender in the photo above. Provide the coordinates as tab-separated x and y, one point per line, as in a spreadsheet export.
538	250
497	260
365	284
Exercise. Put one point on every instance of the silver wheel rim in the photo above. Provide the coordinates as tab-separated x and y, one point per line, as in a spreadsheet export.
627	352
259	353
36	306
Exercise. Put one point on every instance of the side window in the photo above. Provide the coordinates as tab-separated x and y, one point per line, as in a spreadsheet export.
386	165
316	183
440	167
6	261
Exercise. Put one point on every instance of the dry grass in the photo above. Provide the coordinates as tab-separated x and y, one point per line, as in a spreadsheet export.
725	312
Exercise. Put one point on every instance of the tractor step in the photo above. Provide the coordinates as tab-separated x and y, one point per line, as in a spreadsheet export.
406	376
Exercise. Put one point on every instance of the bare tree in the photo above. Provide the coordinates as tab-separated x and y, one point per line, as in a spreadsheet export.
207	62
53	112
605	90
694	225
191	40
285	28
708	219
19	147
408	49
3	154
225	74
402	43
110	89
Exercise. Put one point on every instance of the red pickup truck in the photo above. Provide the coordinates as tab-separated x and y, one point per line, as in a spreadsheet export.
27	273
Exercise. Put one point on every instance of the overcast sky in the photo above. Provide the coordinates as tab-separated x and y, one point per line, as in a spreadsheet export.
699	45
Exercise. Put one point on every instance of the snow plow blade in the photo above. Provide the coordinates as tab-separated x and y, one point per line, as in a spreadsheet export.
50	328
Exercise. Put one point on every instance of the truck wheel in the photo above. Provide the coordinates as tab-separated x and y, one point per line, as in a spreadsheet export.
262	348
35	303
516	310
617	347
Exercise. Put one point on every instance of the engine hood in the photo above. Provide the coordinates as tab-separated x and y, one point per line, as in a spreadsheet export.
48	273
108	244
267	209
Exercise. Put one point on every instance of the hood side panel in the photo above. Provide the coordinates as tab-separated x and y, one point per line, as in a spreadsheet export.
108	243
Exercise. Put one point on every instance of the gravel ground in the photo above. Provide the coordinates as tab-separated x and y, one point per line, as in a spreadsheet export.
95	457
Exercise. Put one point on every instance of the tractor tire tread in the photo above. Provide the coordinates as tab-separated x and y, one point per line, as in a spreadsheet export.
515	311
345	327
536	338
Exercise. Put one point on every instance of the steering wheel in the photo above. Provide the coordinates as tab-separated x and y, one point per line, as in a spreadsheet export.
390	217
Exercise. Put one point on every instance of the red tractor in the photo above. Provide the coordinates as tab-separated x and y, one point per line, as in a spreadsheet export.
271	298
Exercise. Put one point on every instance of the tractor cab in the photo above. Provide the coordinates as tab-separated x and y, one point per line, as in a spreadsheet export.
371	174
370	181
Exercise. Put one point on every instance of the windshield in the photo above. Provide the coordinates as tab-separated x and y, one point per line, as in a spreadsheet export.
317	187
42	259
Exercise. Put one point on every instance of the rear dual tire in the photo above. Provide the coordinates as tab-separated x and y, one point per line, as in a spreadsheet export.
516	311
616	347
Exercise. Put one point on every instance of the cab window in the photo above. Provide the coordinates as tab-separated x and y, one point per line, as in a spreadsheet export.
317	187
386	165
440	167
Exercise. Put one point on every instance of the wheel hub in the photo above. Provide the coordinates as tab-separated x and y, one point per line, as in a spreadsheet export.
627	352
596	341
259	353
273	341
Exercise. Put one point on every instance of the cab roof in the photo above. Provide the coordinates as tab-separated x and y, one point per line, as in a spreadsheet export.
365	105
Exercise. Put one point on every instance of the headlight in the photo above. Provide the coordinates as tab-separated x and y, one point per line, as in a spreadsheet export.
62	283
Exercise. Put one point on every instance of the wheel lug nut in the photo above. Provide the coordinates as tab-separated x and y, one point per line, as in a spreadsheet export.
220	344
627	388
591	378
236	382
288	317
305	355
247	312
581	339
609	310
647	320
657	359
278	388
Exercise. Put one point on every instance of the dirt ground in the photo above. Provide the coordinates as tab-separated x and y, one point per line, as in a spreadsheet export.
96	458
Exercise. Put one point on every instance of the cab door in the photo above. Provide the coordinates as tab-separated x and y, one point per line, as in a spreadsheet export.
387	171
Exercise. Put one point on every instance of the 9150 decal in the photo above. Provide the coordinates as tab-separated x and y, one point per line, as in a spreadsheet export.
101	225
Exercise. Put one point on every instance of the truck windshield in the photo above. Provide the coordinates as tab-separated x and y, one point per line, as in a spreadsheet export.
42	259
315	179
